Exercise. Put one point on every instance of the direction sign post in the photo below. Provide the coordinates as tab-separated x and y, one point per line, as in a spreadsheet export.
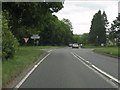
35	36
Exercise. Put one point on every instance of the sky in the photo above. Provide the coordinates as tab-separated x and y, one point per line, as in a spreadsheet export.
80	12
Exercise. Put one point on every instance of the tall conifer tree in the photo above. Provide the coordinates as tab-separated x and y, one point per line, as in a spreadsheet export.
97	34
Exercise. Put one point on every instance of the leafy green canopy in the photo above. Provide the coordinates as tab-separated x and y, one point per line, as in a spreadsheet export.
36	18
114	31
9	43
81	39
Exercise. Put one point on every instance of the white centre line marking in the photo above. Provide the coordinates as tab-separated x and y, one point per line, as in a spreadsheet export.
28	74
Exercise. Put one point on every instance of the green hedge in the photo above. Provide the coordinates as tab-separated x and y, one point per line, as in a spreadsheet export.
9	42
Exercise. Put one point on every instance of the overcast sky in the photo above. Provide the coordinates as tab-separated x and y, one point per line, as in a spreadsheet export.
80	12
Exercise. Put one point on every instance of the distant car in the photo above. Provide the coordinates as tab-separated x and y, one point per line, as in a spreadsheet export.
75	45
70	45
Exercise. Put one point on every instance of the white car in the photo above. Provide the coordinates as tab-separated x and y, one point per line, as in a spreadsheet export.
75	45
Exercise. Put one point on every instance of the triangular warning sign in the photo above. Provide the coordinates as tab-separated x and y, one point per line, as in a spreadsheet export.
26	40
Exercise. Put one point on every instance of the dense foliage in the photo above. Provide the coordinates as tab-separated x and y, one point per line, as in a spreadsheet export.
97	35
9	43
37	18
114	31
81	39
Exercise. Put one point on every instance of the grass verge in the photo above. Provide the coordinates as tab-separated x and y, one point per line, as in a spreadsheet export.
90	46
24	57
112	51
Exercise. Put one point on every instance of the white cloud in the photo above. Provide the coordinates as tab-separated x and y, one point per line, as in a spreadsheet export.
112	12
80	13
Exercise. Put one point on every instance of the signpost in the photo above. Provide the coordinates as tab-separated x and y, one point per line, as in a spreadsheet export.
35	37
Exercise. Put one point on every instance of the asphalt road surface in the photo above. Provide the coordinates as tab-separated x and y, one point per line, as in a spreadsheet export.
62	69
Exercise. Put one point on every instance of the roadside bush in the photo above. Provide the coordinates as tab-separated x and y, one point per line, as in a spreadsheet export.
9	42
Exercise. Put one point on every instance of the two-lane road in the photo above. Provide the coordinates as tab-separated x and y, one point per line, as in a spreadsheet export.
61	69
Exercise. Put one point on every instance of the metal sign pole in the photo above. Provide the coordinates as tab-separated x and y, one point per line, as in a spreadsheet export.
34	41
35	37
26	40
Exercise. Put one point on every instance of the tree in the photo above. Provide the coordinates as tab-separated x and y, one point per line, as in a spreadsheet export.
81	39
55	32
97	34
36	18
67	26
114	31
67	21
9	43
76	38
84	38
105	21
25	16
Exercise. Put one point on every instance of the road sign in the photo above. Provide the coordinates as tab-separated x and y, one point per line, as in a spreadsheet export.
26	40
35	36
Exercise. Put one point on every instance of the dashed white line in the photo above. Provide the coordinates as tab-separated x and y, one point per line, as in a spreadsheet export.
28	74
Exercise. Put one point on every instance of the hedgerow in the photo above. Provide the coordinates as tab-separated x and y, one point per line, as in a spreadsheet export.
9	42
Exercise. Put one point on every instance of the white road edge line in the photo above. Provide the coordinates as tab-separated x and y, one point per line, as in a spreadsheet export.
106	74
103	72
28	74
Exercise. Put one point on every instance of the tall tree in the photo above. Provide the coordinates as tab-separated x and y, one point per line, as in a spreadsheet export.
84	38
97	34
114	31
67	21
105	21
56	32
